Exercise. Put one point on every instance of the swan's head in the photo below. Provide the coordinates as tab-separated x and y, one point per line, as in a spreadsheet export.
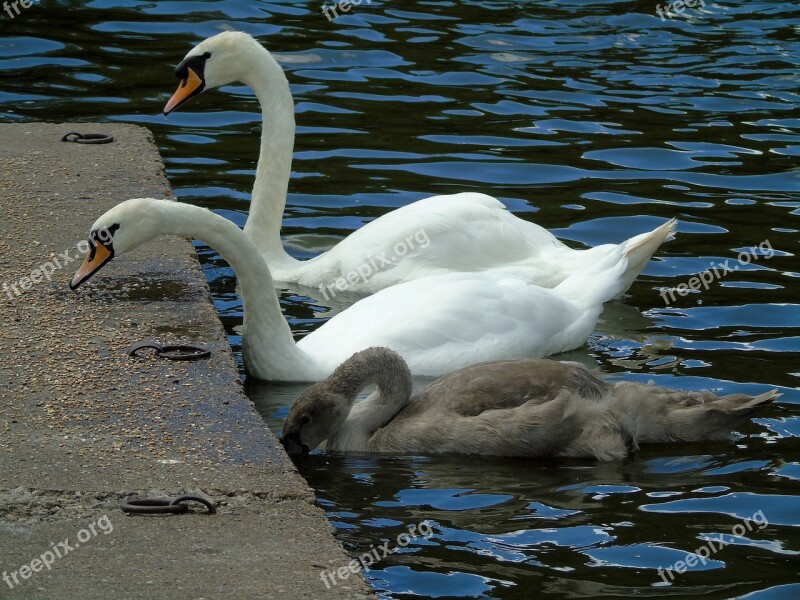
121	229
315	416
225	58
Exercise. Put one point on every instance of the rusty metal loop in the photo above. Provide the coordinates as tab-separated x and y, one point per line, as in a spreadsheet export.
164	506
188	498
183	352
170	351
152	506
87	138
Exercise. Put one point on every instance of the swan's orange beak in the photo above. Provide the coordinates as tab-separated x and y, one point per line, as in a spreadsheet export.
98	256
189	87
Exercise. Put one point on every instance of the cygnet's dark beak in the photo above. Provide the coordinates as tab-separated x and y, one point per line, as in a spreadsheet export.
292	444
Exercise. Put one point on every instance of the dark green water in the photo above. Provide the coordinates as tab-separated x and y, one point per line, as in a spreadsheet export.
593	118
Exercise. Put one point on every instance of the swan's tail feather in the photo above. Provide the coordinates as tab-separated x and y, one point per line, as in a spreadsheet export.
742	409
639	249
683	416
597	282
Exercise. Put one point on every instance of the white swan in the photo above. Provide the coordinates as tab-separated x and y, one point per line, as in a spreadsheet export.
465	232
437	324
504	408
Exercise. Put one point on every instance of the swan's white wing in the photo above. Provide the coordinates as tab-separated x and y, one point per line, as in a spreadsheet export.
446	322
467	232
456	233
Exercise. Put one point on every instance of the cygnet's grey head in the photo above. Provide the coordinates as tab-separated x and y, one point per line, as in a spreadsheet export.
315	416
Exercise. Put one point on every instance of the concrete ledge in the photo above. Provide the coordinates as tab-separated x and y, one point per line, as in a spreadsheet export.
83	426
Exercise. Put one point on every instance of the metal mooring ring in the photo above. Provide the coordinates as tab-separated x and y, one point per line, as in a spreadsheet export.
171	351
162	506
87	138
183	352
153	506
207	503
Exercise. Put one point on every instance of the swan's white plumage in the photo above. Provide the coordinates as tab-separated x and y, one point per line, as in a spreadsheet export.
437	235
444	322
437	324
466	232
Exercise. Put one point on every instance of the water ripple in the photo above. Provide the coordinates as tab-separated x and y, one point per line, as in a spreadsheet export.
595	119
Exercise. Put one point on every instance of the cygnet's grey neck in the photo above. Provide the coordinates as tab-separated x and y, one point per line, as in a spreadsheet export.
380	366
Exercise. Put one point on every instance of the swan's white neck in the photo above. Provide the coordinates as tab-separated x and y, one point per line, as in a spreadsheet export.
268	346
366	417
274	169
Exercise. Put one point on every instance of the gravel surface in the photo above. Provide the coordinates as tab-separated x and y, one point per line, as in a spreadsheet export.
83	426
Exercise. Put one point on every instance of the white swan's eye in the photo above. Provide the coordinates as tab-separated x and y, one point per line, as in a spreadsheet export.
207	55
101	250
104	235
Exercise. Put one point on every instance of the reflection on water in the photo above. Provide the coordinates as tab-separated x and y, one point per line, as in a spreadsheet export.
595	119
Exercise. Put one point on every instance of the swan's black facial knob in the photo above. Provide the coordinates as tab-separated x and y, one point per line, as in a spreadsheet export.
191	72
101	250
196	63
